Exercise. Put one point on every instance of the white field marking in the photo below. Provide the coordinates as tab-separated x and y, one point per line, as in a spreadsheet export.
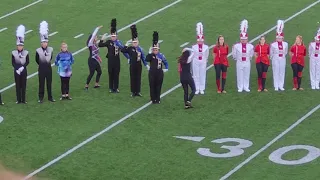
77	36
1	119
190	138
160	41
184	44
147	104
270	143
120	30
18	10
54	33
29	31
210	47
3	29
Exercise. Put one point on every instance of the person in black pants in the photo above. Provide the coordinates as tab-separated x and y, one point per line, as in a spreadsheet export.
94	59
186	77
1	103
156	60
20	61
43	59
136	55
114	47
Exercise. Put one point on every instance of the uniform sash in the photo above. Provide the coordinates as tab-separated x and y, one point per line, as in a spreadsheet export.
244	51
316	54
280	46
200	51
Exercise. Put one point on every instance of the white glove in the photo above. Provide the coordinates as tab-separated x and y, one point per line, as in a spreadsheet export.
104	37
150	50
128	61
148	67
21	69
165	70
128	43
18	72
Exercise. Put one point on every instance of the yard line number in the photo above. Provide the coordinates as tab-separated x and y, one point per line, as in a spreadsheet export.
276	156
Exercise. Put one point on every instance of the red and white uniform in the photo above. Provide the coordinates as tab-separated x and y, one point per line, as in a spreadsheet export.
243	53
278	53
199	66
314	55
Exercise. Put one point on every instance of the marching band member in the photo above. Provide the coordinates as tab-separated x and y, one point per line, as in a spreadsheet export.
186	77
1	103
64	61
314	55
278	52
114	46
20	61
136	55
200	59
262	62
243	52
220	56
297	52
94	59
43	59
156	59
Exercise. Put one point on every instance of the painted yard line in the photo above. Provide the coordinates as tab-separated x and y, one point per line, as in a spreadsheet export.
120	30
29	31
270	143
54	33
160	41
77	36
142	107
184	44
3	29
18	10
210	47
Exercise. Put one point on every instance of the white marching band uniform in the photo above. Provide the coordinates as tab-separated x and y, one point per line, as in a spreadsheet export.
243	53
278	52
200	59
314	55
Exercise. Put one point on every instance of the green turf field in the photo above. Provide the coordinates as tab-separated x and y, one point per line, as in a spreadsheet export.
142	145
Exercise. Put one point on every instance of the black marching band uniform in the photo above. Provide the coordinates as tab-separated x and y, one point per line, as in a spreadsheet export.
136	55
156	60
114	46
43	59
20	61
186	76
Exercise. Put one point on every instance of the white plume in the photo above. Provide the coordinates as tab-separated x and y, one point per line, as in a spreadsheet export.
199	28
280	26
20	31
244	26
43	29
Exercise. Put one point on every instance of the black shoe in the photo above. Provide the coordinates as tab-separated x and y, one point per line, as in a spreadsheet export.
18	102
110	91
139	94
68	98
154	102
24	102
40	101
62	98
97	86
86	88
133	94
188	103
116	91
52	100
1	103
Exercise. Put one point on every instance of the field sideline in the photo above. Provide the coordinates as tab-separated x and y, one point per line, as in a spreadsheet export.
166	93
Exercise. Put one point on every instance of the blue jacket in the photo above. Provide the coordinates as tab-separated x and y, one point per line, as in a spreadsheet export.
64	61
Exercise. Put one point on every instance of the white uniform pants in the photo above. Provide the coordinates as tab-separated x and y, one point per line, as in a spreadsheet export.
279	71
199	68
243	75
315	72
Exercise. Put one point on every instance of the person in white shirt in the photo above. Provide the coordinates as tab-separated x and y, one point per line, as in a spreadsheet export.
242	53
314	54
278	52
200	59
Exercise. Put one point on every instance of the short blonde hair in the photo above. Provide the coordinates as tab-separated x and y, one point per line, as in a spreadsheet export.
300	37
63	44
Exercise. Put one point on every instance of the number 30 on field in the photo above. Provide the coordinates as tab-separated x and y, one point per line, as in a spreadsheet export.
275	156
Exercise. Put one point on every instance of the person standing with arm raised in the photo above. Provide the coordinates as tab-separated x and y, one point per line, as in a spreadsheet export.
20	61
43	59
114	47
156	60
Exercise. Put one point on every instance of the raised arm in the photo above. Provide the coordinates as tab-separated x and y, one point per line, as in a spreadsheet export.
121	46
94	34
191	54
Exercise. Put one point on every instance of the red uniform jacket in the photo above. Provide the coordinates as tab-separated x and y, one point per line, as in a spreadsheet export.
263	53
221	55
299	52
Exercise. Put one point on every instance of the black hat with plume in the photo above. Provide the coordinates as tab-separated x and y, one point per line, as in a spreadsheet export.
113	30
155	40
134	33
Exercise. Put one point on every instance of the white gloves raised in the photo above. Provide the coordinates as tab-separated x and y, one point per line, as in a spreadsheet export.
128	43
165	70
150	50
104	37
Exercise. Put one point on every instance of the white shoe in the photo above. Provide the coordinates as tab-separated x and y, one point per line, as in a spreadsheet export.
313	88
239	90
201	92
197	92
247	90
282	89
276	89
317	87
